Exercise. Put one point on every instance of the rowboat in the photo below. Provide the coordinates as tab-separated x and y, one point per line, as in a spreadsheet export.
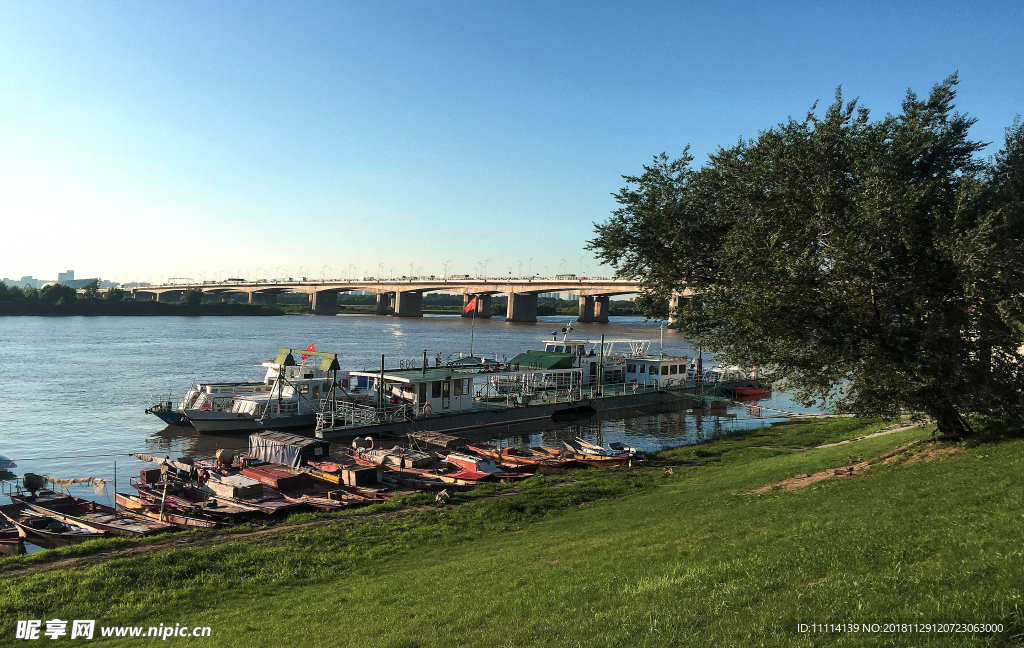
593	455
45	530
11	542
134	504
741	393
516	459
465	477
195	502
465	462
81	512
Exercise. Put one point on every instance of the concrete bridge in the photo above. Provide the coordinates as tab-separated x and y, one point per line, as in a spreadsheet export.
404	297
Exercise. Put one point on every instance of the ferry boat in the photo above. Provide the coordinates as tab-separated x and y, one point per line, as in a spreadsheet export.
291	395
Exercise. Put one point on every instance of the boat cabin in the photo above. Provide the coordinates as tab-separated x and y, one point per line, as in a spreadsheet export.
655	371
428	391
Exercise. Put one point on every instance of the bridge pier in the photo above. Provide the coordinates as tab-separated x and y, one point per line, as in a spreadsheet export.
385	302
170	296
263	297
409	304
325	302
680	302
594	309
483	306
522	307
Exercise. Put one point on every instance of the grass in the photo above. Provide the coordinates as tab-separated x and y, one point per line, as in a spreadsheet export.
636	557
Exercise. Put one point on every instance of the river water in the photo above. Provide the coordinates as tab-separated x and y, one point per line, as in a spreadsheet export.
76	388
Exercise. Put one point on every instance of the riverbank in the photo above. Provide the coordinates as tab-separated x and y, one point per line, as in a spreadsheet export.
677	550
129	307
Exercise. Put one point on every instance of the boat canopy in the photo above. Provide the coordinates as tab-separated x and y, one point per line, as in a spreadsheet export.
544	360
328	362
287	449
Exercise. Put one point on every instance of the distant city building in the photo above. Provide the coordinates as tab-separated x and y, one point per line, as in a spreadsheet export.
63	278
26	282
68	279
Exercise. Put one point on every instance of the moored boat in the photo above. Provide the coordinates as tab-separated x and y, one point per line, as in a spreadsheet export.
86	513
139	506
747	393
45	530
595	455
11	542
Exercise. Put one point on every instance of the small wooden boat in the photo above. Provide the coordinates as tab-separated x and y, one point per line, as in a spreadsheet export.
486	465
11	542
82	512
592	455
195	502
508	458
44	530
749	393
137	505
465	477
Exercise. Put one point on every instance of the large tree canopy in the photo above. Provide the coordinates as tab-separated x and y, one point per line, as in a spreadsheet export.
875	266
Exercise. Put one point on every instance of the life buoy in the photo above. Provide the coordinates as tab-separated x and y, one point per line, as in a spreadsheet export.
427	410
205	407
544	397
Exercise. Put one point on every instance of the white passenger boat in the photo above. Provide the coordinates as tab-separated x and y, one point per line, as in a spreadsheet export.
291	395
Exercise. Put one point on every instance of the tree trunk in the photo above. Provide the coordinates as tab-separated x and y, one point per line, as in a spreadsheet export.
949	421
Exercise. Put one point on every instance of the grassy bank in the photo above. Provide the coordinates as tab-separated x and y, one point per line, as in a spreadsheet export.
631	556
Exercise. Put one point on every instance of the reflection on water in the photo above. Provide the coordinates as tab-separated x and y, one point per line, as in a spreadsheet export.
76	387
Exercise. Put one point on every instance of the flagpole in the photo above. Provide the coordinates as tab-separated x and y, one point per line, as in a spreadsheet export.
472	329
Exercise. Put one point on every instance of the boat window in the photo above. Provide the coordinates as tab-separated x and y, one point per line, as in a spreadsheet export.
327	387
423	393
643	368
549	347
559	349
303	389
435	389
465	386
630	368
654	370
674	369
316	392
457	388
664	370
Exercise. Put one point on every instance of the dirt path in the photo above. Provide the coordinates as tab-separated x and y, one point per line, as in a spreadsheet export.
932	451
899	427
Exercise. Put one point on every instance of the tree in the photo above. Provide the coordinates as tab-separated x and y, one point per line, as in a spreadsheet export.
113	295
872	265
92	289
54	293
192	297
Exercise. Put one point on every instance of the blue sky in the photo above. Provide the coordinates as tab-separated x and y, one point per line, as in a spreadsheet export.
149	140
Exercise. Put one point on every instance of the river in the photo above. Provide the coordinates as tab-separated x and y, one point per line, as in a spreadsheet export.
75	388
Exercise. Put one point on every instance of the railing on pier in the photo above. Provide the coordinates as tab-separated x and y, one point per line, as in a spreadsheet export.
350	415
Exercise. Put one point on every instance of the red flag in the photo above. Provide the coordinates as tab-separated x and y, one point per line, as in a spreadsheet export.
471	305
311	347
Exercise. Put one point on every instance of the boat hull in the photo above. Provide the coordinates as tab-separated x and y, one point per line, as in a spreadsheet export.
171	418
14	513
207	422
134	505
78	512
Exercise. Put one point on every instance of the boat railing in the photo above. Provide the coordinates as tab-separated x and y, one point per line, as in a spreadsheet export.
9	488
345	415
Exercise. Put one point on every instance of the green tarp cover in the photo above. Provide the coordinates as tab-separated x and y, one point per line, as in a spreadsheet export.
543	360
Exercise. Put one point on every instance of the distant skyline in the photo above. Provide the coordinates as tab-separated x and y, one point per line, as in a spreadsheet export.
148	141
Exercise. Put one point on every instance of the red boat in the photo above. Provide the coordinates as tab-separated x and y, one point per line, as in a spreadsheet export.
746	393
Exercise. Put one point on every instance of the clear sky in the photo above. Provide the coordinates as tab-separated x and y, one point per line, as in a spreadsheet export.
146	140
